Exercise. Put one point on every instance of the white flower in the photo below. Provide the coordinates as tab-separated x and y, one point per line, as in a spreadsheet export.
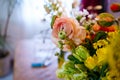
82	19
90	16
96	19
55	13
55	1
93	21
57	5
75	13
81	13
60	9
85	12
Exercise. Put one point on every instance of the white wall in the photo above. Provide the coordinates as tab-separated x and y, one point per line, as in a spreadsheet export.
25	21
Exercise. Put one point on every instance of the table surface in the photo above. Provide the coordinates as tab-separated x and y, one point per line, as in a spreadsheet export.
24	56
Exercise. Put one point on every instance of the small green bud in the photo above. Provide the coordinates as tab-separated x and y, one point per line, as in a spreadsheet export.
56	54
78	18
60	44
62	35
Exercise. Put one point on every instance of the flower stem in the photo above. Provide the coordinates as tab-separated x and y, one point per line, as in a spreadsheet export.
61	58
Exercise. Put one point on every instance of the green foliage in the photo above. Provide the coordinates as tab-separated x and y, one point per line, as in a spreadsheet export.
81	53
100	35
75	60
53	20
88	26
105	23
78	18
69	72
89	46
60	44
104	70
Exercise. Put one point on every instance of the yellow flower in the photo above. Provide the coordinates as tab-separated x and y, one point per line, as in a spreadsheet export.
102	55
100	43
113	50
112	75
109	50
112	35
90	62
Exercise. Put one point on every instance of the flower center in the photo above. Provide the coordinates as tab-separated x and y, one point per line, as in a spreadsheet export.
62	34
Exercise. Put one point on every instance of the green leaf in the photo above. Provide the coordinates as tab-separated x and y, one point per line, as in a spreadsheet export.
93	75
78	18
105	23
100	35
72	58
81	53
81	67
103	70
53	20
89	46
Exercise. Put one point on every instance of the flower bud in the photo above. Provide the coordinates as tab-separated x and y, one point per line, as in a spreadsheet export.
62	35
81	53
60	44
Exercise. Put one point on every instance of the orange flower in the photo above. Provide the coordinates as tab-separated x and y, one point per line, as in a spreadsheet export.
105	22
72	29
97	28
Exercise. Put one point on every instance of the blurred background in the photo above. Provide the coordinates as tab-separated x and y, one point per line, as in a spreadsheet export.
25	35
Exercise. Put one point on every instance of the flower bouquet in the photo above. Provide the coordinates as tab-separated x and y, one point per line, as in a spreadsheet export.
93	43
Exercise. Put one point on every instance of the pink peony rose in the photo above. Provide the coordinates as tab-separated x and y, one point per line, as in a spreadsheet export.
73	31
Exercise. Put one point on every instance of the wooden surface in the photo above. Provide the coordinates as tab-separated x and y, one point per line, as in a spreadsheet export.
24	56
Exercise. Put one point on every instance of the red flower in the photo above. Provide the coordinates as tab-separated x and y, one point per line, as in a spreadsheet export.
115	7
